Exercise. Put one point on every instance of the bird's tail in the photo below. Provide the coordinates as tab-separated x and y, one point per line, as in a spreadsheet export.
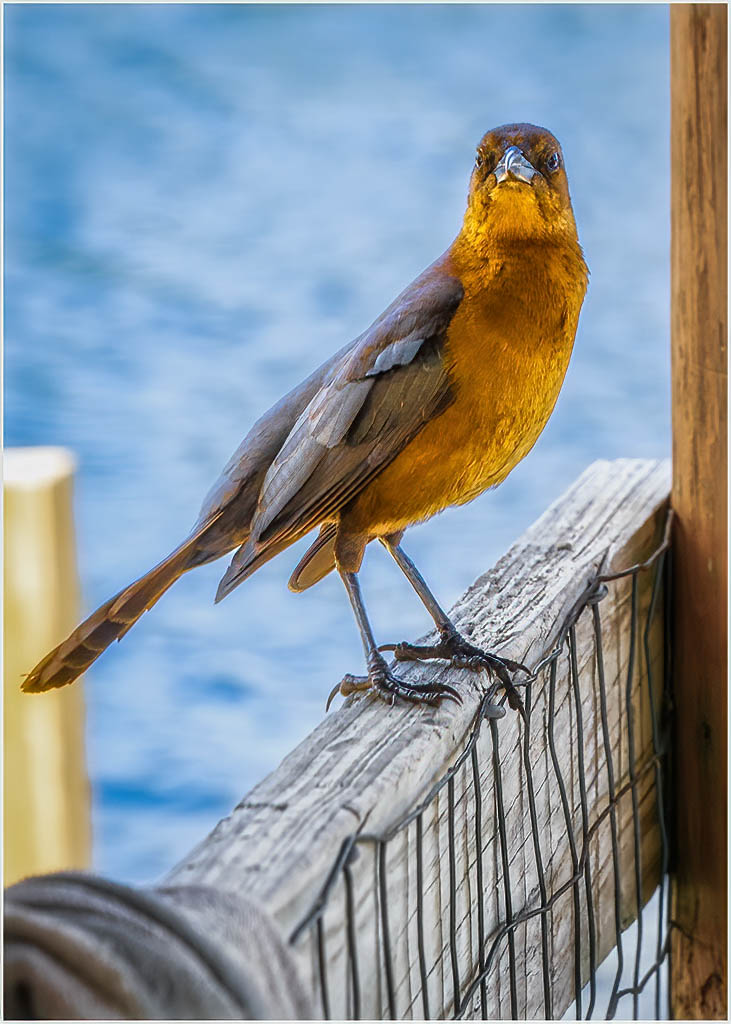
110	622
317	561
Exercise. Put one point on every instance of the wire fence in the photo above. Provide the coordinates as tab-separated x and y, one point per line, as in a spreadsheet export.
502	892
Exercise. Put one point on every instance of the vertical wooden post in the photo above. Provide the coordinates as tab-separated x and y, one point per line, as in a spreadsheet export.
699	496
46	805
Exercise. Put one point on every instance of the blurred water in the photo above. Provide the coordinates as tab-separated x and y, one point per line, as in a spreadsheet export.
202	202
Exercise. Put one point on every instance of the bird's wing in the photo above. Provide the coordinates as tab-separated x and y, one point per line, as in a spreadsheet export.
255	453
391	384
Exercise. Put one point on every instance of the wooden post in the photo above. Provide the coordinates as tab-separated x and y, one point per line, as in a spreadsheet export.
46	806
419	891
699	380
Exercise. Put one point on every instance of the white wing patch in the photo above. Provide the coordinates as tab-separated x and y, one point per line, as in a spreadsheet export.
398	353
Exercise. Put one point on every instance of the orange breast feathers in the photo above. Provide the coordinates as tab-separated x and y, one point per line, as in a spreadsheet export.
508	348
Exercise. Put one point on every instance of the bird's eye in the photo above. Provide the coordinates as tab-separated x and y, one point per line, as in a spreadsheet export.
479	160
553	163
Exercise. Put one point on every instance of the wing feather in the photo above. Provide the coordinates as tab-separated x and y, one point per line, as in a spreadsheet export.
390	383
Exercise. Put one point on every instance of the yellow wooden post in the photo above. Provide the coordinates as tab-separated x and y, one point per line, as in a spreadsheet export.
699	362
46	810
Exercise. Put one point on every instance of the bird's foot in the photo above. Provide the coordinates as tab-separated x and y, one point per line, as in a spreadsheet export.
461	653
384	683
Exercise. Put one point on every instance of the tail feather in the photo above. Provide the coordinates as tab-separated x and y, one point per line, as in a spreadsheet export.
108	623
249	557
317	561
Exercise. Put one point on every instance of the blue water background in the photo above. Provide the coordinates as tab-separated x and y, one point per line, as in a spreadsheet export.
202	203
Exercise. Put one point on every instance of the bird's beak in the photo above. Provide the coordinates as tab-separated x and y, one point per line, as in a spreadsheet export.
515	167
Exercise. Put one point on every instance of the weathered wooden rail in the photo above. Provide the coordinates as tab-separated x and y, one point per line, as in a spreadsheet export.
408	912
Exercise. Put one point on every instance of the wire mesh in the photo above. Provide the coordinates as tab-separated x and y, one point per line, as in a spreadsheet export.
504	889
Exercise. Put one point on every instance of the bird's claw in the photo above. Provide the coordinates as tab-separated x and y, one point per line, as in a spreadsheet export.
387	686
459	652
347	685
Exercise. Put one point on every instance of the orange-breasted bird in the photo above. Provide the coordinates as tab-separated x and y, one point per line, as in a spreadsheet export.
435	402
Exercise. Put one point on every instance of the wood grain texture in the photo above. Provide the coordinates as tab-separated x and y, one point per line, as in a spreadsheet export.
699	390
367	764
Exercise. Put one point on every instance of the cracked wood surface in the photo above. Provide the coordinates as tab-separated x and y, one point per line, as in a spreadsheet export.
368	764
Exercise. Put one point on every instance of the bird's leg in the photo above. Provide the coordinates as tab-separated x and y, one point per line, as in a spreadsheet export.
452	646
380	679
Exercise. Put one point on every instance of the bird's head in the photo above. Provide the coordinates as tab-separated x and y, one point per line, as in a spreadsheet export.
518	189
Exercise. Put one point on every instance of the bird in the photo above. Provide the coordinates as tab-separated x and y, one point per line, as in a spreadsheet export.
437	401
